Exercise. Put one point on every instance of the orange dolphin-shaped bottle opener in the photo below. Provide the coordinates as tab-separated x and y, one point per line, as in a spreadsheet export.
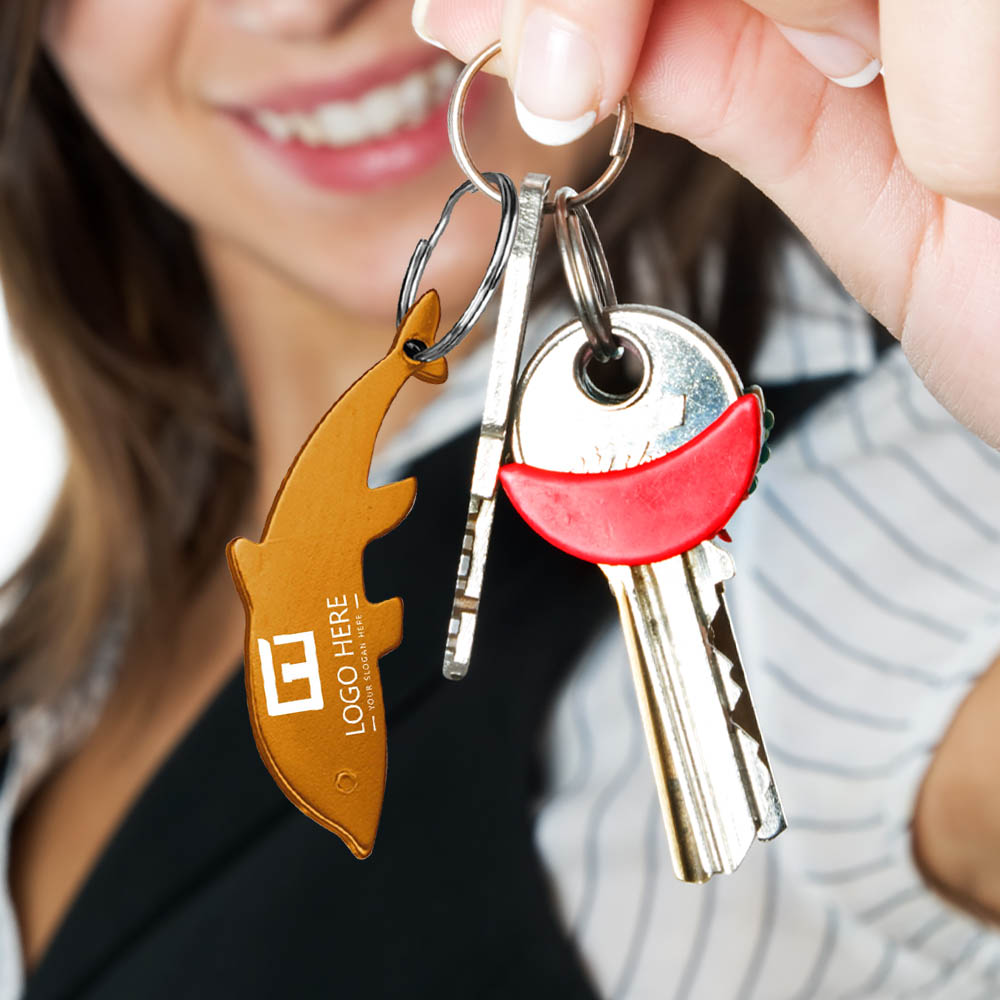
313	641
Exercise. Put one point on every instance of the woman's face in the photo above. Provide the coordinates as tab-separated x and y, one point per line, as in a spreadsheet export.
307	134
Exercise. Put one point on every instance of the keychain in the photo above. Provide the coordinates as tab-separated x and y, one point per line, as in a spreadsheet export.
313	641
629	442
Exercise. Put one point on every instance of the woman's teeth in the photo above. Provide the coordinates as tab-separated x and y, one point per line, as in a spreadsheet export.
379	112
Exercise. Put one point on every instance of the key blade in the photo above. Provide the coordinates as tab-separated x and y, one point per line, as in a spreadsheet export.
700	783
512	320
714	787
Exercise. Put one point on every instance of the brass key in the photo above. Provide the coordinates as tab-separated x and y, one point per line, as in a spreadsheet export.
691	439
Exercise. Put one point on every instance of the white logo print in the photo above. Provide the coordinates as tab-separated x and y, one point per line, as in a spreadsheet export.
306	670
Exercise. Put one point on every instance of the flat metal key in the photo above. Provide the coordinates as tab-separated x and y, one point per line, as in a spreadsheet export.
665	458
511	321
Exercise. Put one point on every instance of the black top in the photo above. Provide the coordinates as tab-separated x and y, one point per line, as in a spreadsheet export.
216	886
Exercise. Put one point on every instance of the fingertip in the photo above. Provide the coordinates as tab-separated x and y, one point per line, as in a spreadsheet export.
862	78
552	131
841	59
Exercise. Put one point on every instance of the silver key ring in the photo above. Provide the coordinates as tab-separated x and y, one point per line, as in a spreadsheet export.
587	273
494	271
621	141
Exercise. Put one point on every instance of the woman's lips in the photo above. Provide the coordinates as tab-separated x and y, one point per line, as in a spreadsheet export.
382	134
371	164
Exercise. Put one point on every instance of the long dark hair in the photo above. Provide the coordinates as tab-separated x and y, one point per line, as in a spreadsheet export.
107	296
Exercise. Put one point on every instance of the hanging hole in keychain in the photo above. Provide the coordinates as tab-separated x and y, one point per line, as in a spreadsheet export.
616	381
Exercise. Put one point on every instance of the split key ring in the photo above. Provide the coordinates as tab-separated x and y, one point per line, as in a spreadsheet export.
587	273
621	141
494	270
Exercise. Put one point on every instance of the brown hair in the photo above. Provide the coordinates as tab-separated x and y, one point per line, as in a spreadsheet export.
106	294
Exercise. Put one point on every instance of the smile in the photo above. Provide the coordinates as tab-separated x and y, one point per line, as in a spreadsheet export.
379	112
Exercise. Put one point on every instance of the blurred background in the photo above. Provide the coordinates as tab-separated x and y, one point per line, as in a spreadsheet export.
31	452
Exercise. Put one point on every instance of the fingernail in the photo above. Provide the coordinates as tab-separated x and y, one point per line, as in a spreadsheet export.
844	61
418	16
557	84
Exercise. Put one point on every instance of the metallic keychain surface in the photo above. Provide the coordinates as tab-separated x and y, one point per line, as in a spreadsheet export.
313	639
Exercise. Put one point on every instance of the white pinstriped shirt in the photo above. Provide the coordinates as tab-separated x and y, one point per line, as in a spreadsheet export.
866	603
867	600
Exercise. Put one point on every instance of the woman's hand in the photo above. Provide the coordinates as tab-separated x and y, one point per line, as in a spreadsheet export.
898	187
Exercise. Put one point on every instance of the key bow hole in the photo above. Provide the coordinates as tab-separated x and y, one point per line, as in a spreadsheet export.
611	382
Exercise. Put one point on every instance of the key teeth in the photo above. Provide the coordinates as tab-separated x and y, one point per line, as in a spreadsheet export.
733	688
770	817
763	793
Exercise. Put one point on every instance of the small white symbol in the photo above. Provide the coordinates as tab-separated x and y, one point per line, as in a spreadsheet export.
306	670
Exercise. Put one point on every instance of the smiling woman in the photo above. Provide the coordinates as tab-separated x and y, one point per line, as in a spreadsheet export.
205	212
179	184
206	208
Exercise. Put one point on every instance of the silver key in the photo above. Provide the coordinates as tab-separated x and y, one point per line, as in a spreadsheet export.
511	321
714	780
